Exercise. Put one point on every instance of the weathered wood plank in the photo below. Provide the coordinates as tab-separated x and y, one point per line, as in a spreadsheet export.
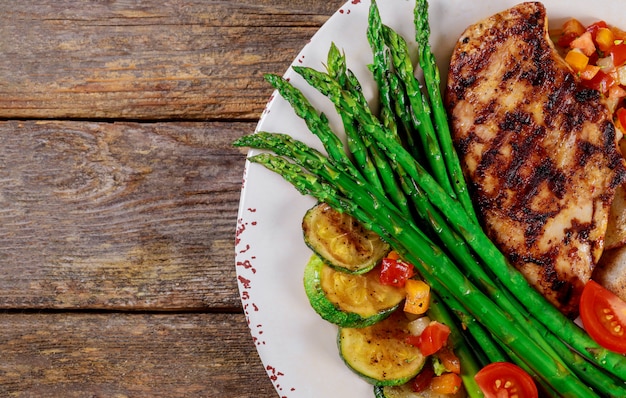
74	355
119	215
148	60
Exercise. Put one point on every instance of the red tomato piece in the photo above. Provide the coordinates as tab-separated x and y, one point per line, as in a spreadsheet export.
604	317
618	52
593	28
395	272
584	43
421	382
621	118
601	82
432	339
504	379
572	28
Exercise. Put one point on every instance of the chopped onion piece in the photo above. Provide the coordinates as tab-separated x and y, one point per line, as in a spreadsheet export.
417	326
606	64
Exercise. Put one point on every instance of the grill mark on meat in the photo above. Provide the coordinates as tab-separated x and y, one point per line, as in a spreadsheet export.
609	134
538	149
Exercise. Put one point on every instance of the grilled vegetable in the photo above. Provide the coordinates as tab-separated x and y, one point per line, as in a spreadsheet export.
406	391
349	300
342	241
379	353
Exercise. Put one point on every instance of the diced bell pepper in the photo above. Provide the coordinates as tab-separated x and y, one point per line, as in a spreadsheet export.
577	60
447	383
417	296
605	39
594	27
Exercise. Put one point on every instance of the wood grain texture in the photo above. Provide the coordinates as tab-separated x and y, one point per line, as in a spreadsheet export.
119	215
174	59
129	355
119	191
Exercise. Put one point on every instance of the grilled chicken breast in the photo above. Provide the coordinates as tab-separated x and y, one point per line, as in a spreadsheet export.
538	149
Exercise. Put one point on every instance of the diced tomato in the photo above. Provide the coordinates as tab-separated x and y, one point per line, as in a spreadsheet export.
621	118
584	43
601	82
604	316
394	255
417	296
449	360
594	27
618	52
504	379
447	383
589	72
421	382
565	39
395	272
572	28
432	339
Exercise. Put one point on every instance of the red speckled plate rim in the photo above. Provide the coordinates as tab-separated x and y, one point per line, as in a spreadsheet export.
298	349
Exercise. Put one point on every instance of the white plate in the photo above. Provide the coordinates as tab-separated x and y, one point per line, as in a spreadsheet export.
297	347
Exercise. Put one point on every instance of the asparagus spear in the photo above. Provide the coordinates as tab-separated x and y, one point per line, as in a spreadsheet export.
318	124
367	155
433	86
470	366
380	66
337	69
420	108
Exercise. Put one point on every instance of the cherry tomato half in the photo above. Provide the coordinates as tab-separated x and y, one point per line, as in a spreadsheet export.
604	317
504	379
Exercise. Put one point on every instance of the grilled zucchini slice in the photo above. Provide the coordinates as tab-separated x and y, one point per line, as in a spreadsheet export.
341	240
349	300
406	391
379	353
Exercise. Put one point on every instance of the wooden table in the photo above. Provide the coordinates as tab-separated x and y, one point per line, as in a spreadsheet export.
120	191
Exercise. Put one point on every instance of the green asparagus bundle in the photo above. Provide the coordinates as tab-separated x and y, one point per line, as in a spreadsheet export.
386	175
